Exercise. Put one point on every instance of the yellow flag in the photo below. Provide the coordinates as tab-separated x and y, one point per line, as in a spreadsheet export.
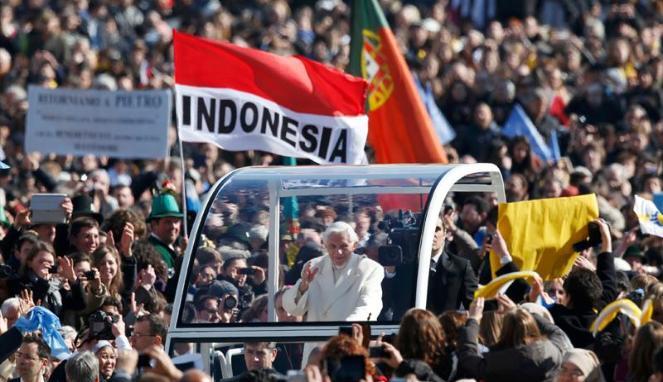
540	233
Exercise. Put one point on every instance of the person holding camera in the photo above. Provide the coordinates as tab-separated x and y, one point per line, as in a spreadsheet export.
47	281
586	291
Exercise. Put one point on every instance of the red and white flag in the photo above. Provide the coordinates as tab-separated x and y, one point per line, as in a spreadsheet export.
247	99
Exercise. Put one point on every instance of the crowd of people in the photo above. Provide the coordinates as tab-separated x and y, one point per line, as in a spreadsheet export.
587	72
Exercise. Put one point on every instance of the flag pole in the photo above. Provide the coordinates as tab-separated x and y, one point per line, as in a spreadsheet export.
184	208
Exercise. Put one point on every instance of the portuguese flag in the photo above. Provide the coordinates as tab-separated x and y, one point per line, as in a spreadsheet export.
399	128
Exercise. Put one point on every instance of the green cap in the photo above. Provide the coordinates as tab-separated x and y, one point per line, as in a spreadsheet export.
164	206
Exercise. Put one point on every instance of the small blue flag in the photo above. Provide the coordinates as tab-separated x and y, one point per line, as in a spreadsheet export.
442	127
519	123
47	323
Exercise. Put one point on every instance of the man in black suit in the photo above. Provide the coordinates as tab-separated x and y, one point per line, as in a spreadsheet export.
451	281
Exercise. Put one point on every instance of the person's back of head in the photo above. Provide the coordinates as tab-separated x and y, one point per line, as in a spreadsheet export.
657	366
452	322
648	338
583	289
82	367
490	328
518	328
421	336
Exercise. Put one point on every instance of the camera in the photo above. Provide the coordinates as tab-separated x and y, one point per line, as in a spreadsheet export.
246	271
404	233
593	239
390	255
89	275
377	352
6	272
100	324
345	330
230	302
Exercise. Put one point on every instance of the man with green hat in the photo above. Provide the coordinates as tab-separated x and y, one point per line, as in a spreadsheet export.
165	223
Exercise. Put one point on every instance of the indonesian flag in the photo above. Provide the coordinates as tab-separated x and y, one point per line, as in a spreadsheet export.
246	99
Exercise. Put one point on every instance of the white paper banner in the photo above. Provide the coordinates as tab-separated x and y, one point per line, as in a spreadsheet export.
118	124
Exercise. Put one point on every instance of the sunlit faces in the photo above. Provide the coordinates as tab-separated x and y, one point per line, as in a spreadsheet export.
108	267
167	229
42	263
107	359
87	240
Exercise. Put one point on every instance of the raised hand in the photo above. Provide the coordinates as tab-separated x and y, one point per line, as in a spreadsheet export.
126	240
476	309
66	269
307	277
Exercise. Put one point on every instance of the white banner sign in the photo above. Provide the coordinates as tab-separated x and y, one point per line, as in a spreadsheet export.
119	124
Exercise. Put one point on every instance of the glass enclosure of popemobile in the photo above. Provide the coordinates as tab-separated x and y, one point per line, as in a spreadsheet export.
258	228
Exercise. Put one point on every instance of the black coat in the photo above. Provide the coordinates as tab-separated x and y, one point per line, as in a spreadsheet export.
576	321
453	283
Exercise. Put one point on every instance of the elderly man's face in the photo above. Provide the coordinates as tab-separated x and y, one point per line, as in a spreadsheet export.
340	248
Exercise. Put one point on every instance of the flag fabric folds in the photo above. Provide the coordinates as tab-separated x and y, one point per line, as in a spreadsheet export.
246	99
540	233
519	123
400	130
651	219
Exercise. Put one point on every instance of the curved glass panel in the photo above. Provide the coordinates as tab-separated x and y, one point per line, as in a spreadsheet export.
261	226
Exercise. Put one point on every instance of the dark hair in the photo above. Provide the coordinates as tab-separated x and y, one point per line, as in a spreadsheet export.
111	301
518	328
421	336
648	338
78	224
583	288
657	361
118	219
27	237
78	257
231	261
479	204
145	254
157	326
208	255
452	321
43	351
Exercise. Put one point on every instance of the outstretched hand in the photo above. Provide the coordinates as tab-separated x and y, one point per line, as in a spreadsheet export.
476	309
307	277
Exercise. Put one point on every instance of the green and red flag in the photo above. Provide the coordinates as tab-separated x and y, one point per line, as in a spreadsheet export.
399	127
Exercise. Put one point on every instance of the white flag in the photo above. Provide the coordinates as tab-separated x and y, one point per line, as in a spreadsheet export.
651	219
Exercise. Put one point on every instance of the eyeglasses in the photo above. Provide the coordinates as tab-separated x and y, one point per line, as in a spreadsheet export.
134	334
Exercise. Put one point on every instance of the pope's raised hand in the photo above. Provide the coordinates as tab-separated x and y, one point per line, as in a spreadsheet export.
307	276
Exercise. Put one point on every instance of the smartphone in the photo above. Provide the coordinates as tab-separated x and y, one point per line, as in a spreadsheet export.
246	271
47	209
345	330
144	360
377	352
